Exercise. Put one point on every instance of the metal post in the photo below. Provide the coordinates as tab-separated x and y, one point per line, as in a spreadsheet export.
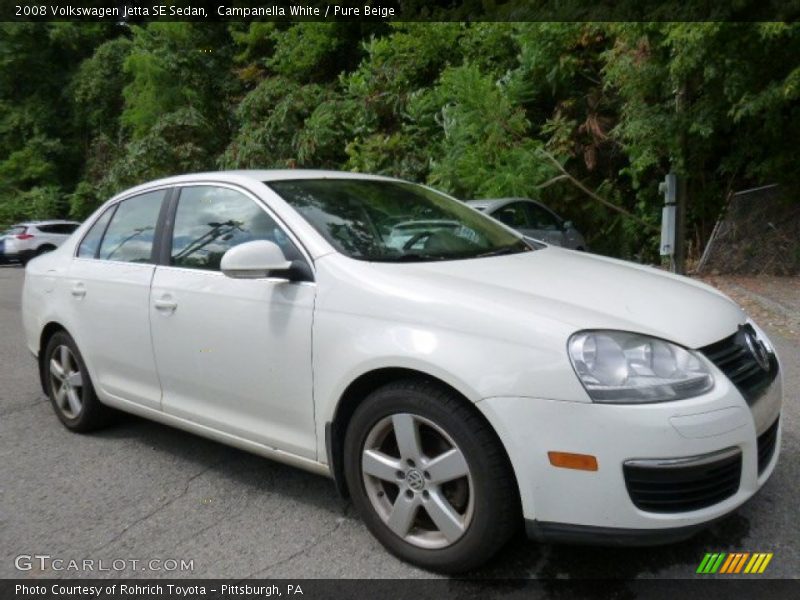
679	258
682	161
668	187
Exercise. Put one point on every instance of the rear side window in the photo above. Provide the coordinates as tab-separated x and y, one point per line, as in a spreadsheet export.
62	228
91	241
16	230
129	236
58	228
210	220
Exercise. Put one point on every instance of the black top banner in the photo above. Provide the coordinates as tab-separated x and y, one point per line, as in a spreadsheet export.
401	10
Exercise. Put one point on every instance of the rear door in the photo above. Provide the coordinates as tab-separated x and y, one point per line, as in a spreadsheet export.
47	235
233	354
108	293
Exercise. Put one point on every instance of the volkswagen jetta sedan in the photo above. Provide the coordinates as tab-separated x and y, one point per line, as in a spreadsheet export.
454	385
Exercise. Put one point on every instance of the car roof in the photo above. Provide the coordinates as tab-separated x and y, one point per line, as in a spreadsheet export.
260	175
45	222
492	203
268	175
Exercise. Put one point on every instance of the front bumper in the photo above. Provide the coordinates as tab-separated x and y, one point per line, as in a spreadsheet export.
594	506
567	533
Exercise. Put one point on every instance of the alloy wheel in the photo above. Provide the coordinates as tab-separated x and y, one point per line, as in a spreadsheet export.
417	480
66	382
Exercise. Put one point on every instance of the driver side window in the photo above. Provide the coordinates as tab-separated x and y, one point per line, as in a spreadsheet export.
211	220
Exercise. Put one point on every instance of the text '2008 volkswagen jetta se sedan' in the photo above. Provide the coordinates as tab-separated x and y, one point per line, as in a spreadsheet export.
454	379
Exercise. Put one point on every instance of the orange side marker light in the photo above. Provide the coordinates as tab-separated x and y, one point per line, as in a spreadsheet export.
568	460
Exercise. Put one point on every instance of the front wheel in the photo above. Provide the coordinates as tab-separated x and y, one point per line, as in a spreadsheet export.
429	477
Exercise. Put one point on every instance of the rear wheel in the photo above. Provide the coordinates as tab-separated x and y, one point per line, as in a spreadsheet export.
429	477
69	387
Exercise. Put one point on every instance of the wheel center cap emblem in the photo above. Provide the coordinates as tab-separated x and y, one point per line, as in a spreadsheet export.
415	480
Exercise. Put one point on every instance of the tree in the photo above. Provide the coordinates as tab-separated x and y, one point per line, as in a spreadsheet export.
583	116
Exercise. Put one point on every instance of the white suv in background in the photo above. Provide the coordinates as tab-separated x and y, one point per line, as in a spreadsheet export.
23	241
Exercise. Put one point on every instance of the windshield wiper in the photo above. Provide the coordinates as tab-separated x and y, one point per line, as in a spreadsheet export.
412	257
502	252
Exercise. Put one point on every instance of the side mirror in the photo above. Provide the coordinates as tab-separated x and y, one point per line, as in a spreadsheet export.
258	259
567	225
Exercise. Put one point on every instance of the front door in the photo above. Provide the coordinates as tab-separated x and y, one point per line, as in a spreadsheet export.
233	354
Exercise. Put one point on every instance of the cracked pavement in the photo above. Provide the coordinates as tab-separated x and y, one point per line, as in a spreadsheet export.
140	490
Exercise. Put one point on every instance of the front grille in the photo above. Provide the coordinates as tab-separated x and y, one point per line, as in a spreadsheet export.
682	485
766	446
735	358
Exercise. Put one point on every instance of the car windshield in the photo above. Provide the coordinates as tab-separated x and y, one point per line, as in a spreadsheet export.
393	221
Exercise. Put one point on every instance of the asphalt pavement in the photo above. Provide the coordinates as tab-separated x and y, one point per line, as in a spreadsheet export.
140	491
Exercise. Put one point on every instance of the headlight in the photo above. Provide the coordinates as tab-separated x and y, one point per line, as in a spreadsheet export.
618	367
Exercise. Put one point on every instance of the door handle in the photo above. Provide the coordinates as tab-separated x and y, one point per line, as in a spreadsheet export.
165	304
78	290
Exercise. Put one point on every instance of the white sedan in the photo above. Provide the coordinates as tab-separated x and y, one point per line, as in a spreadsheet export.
453	387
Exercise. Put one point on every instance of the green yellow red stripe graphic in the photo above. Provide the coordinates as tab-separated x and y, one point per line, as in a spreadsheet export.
734	562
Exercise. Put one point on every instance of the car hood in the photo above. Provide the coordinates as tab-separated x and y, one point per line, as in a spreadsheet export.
580	290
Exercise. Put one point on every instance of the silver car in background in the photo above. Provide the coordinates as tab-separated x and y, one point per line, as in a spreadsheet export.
23	241
532	219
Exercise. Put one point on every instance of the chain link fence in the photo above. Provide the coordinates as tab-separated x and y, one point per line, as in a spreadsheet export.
757	233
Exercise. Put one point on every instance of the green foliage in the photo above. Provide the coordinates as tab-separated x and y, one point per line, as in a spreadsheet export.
314	51
35	162
172	66
477	109
270	118
718	102
83	201
40	149
487	148
43	201
97	88
174	145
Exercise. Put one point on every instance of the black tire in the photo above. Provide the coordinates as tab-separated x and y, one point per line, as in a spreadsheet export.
44	250
92	414
495	512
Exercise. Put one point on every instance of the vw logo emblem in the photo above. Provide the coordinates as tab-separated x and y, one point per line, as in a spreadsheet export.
415	480
757	349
